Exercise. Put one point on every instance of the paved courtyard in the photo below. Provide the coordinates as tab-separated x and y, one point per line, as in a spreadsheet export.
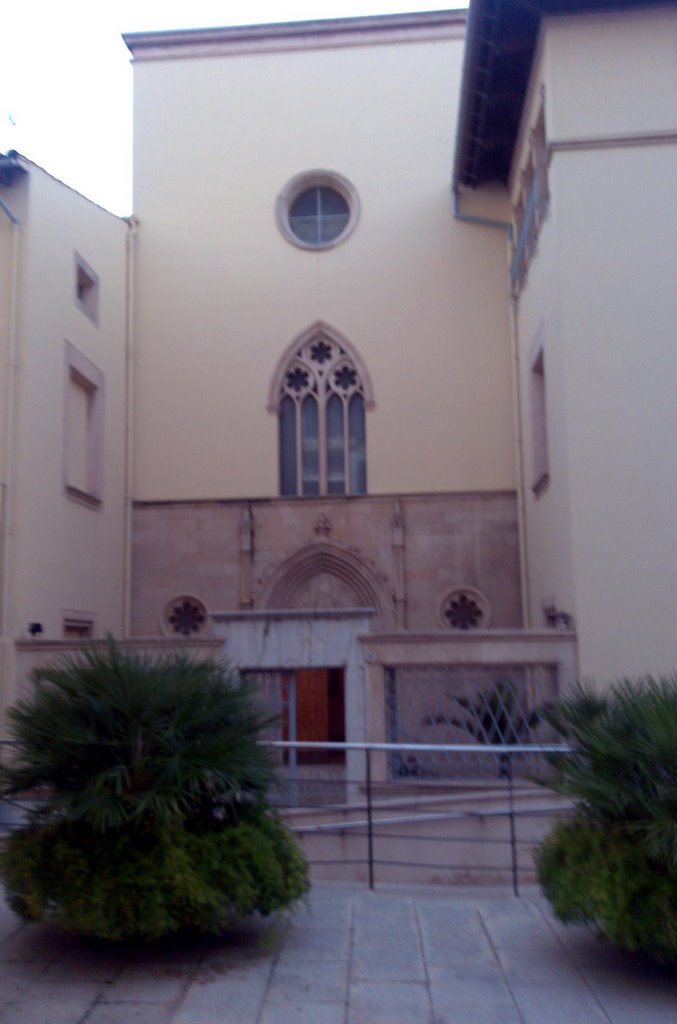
394	956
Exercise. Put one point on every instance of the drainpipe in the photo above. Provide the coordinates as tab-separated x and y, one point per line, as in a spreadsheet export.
8	458
130	275
506	226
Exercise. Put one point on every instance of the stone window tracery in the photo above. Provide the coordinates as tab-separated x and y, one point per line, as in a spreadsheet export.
322	420
185	615
464	608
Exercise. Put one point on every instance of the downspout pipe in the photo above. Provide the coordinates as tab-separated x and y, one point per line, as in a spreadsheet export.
130	300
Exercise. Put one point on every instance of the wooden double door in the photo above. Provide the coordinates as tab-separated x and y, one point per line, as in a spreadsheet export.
318	702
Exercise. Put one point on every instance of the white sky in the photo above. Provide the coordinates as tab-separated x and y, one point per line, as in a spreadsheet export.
66	81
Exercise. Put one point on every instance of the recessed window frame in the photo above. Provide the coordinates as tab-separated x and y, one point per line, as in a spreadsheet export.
78	625
79	370
310	180
539	423
86	289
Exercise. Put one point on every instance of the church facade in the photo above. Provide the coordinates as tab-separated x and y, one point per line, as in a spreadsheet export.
381	431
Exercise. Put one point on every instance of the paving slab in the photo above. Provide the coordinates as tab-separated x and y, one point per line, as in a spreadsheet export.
114	1013
52	1003
291	981
8	921
147	983
401	955
226	1001
14	979
477	1013
302	1013
386	941
389	1002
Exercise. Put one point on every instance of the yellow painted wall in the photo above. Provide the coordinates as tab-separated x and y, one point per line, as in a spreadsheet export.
11	254
6	256
422	297
612	73
602	539
66	557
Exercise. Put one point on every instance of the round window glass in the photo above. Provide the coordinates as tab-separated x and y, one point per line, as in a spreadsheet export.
318	215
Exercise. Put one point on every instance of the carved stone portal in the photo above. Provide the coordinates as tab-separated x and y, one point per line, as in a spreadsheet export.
326	591
326	575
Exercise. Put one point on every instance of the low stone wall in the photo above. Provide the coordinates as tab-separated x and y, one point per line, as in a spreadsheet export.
457	838
29	655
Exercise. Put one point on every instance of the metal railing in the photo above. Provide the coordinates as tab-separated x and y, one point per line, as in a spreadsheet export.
368	805
372	808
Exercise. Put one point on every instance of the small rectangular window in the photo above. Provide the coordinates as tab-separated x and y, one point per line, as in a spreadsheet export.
83	428
79	402
539	426
86	289
78	626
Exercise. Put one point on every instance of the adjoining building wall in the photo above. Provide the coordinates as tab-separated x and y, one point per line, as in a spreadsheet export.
611	73
69	544
10	251
222	292
538	315
600	299
66	565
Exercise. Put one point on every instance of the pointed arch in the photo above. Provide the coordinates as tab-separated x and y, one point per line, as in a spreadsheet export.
325	574
320	391
317	332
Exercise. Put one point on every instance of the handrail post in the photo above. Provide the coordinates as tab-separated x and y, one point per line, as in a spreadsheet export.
292	732
370	831
507	768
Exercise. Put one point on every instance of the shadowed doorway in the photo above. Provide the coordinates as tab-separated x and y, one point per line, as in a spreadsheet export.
314	702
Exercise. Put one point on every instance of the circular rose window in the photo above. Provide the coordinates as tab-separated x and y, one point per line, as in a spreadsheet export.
317	210
464	608
185	616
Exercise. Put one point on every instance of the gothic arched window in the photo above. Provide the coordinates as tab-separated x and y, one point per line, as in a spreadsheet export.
321	399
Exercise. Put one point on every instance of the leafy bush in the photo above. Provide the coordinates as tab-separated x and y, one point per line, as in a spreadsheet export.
130	884
605	877
154	813
615	864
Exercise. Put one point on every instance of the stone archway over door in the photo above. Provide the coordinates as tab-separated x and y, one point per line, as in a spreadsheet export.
326	576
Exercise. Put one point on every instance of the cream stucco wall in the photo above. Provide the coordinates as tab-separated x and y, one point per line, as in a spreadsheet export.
9	245
612	73
65	558
600	295
223	294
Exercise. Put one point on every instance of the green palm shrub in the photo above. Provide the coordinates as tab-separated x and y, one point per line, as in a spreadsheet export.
615	863
153	811
607	878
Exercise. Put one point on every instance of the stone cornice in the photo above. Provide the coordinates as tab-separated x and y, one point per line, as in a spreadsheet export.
300	35
465	638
